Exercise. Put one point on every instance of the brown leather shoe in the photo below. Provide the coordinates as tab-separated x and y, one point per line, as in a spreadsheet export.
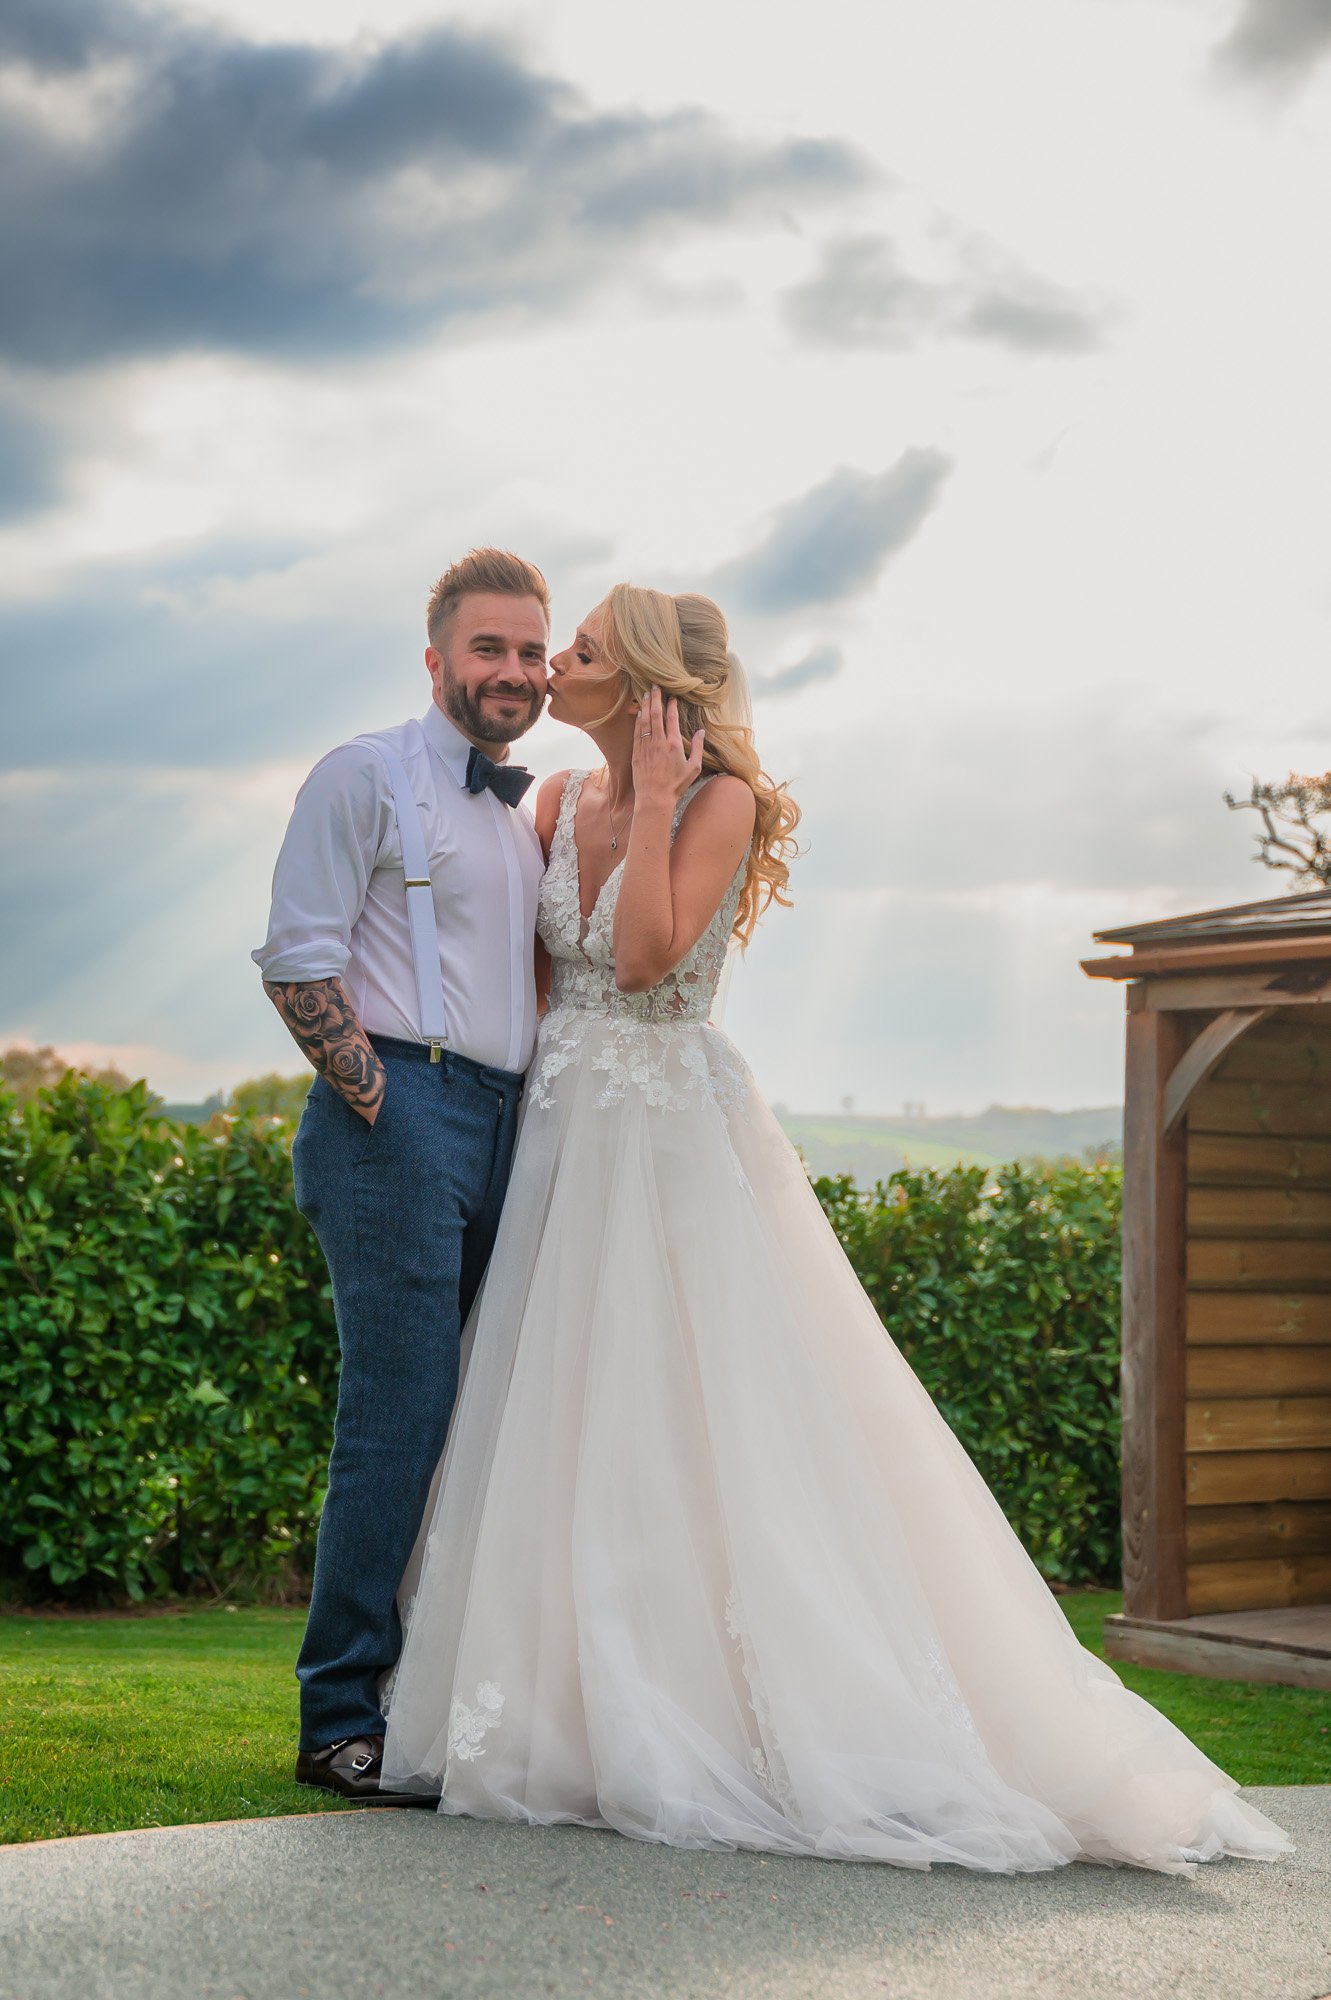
351	1767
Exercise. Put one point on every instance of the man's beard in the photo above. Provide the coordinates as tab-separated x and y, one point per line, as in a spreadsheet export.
464	709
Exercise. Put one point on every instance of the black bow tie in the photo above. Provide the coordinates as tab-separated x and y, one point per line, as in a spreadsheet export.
507	781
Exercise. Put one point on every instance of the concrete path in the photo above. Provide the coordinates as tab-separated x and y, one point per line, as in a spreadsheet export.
376	1905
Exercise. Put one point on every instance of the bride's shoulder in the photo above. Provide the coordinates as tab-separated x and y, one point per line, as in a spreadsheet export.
548	801
720	804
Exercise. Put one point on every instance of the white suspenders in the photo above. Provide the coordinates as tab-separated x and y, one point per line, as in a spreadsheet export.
420	900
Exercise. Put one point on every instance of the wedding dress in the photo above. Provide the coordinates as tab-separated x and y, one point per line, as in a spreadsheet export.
705	1563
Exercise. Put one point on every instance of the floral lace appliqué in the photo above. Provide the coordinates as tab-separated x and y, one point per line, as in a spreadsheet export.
659	1043
584	961
673	1068
765	1760
558	917
467	1727
558	1043
953	1700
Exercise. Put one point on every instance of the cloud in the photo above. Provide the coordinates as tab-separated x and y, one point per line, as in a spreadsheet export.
1276	41
138	893
1089	791
861	296
1027	313
291	199
957	856
822	664
31	457
835	539
60	36
146	679
864	295
957	859
244	648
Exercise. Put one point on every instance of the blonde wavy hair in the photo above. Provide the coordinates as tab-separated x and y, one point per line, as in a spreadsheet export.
682	646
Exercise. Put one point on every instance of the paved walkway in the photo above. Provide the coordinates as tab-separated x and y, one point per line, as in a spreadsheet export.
407	1906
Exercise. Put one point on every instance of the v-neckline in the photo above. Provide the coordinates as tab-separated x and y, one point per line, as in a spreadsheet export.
586	921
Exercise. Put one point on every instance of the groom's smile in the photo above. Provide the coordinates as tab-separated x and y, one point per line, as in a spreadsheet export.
487	666
508	698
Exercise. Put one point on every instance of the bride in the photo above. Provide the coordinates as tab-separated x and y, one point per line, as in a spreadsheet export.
705	1564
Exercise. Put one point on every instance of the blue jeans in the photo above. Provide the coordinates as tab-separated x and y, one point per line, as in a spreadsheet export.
405	1211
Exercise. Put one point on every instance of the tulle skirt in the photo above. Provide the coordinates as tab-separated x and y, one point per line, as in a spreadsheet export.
704	1564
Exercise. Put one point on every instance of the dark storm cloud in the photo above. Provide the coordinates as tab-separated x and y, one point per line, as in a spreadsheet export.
863	295
299	200
1276	41
59	36
832	542
823	664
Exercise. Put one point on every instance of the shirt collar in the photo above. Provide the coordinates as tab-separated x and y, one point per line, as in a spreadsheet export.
450	746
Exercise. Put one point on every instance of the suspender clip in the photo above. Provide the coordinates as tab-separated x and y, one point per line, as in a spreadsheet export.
436	1052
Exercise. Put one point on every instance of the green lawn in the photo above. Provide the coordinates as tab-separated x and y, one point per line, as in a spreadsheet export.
148	1721
108	1723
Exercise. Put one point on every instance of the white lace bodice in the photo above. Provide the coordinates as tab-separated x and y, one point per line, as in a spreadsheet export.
584	956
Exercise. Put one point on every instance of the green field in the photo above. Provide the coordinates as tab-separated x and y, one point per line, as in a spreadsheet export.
870	1148
114	1722
840	1146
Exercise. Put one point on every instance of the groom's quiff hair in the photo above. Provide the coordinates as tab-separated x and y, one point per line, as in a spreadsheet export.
497	571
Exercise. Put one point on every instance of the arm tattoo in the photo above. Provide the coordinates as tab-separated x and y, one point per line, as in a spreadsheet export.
323	1022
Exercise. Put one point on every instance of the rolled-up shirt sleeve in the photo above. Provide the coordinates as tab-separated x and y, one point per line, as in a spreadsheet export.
331	847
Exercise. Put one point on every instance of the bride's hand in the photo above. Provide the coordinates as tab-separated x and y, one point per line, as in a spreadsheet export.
662	769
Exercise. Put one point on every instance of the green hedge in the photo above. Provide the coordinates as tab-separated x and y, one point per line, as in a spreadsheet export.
168	1360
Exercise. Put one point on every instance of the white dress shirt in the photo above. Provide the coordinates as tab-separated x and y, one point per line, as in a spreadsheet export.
340	904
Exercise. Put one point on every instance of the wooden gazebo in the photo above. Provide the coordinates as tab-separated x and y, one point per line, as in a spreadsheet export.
1227	1292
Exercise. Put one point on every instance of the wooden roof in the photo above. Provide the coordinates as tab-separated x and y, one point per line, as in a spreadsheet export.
1282	930
1278	916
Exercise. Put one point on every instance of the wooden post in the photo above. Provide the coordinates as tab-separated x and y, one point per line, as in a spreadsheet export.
1154	1259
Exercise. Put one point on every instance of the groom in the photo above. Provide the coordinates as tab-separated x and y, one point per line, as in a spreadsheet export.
399	955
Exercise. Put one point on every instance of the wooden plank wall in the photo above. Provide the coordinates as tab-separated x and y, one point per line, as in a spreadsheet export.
1258	1323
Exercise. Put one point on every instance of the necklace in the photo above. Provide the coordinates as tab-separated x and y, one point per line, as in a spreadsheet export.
614	837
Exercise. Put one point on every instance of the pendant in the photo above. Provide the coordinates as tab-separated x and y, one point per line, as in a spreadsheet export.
613	843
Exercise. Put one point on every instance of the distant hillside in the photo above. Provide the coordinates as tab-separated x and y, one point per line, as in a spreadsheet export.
868	1148
193	1114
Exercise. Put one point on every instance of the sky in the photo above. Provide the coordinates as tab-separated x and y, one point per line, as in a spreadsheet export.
974	358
